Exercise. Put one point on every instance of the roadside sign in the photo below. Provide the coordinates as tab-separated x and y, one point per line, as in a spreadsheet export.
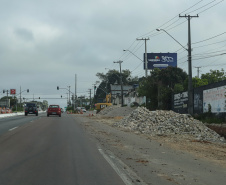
161	60
12	91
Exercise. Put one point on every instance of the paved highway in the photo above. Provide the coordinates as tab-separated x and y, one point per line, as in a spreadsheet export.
50	151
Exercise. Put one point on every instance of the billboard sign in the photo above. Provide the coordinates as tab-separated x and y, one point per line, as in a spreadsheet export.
216	98
161	60
180	102
12	91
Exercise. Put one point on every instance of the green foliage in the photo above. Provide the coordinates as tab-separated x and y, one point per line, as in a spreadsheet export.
159	86
214	76
113	77
209	109
209	117
13	100
178	88
17	109
197	82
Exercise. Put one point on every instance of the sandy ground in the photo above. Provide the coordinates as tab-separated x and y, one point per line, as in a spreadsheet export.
216	152
160	160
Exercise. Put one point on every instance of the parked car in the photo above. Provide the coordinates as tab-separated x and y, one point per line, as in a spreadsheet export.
54	110
30	108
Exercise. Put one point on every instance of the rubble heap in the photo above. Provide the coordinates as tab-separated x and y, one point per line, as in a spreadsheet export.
167	123
108	109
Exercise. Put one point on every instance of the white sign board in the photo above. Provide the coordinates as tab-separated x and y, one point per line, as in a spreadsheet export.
216	98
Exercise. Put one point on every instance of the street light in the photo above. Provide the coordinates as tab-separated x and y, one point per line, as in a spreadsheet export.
190	93
120	62
172	37
133	54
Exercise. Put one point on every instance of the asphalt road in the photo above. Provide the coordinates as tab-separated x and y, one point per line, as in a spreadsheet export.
50	151
9	123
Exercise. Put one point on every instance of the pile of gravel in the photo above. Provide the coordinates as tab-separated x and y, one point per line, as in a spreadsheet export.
167	123
116	110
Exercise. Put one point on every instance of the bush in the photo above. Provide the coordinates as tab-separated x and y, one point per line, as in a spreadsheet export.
209	117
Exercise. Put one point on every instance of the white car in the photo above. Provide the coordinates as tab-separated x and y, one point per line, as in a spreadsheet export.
83	109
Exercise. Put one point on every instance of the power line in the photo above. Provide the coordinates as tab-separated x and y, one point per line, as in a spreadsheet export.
209	38
171	19
209	44
202	6
210	7
209	56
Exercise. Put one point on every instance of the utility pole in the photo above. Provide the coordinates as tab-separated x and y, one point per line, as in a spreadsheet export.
69	101
190	89
198	71
7	103
121	81
75	98
146	58
90	97
20	96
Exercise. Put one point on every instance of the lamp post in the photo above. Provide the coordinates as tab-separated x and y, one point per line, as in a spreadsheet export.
133	54
190	93
120	62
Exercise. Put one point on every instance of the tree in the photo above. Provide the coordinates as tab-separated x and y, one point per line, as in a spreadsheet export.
113	77
160	85
214	76
197	82
13	100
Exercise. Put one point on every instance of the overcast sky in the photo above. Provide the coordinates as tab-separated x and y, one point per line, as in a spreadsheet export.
44	43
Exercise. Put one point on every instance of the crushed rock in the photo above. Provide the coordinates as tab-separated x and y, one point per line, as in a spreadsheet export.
166	123
116	110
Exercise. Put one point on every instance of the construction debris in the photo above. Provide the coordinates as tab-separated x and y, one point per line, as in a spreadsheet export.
167	123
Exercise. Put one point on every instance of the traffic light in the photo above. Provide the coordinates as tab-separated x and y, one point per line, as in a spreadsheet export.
95	87
39	98
57	87
61	96
28	90
3	91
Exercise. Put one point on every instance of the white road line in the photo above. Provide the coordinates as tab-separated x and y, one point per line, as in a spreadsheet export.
128	176
12	128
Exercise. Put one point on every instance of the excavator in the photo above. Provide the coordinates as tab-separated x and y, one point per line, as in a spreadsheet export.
100	106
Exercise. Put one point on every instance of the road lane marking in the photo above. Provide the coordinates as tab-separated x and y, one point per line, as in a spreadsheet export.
128	176
12	128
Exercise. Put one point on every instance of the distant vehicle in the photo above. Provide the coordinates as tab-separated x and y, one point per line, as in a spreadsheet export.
54	110
83	109
79	109
31	108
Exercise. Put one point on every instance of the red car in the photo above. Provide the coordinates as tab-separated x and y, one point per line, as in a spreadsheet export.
54	110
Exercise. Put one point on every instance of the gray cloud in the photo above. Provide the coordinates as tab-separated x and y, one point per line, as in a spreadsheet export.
44	43
24	34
